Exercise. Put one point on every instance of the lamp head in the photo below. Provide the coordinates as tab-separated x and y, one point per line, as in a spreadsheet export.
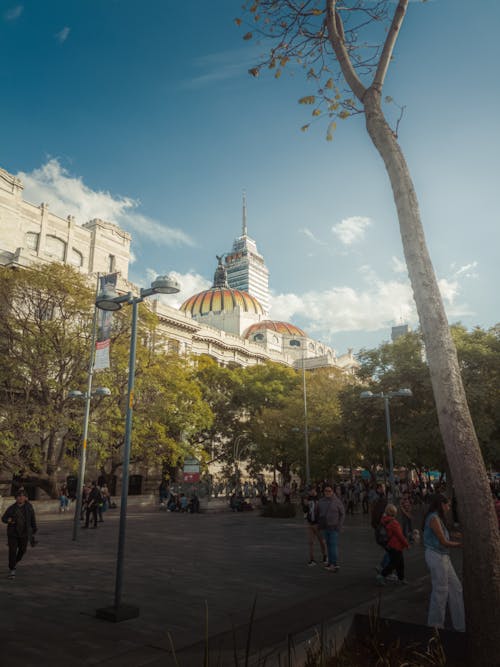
366	394
101	391
405	392
74	393
107	299
165	285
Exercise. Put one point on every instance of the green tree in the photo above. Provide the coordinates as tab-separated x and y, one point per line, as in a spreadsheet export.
45	324
335	43
169	408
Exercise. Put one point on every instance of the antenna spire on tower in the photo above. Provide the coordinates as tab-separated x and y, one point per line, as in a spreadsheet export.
244	224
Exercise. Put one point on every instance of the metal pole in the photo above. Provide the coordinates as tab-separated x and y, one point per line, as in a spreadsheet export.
389	442
306	428
83	449
126	454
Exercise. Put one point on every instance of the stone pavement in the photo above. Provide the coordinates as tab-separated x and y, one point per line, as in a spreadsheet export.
178	566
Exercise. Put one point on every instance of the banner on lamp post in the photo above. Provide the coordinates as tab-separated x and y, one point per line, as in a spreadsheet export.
104	323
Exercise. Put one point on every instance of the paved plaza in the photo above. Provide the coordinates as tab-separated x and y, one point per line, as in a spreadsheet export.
176	567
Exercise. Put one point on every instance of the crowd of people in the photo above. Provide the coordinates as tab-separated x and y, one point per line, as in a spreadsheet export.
177	502
325	507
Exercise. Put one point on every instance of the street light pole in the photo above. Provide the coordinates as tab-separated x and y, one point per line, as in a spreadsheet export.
108	300
405	393
87	396
236	456
389	442
83	448
306	425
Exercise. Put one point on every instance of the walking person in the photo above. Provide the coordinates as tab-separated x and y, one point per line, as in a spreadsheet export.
93	500
313	532
63	498
331	519
446	586
379	503
21	528
396	544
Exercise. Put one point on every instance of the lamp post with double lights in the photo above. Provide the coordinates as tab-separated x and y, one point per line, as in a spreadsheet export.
404	393
87	397
108	299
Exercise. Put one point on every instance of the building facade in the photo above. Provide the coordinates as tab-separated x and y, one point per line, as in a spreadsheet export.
219	322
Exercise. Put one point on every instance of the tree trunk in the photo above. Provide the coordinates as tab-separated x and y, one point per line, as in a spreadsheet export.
481	536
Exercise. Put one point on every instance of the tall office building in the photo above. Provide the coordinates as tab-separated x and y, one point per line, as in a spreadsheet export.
245	267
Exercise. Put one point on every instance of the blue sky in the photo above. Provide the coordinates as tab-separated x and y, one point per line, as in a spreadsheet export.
144	114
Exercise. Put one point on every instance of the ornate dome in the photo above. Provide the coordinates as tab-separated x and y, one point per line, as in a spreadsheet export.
221	298
284	328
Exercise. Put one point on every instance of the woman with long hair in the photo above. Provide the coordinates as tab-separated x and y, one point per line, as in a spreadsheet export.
446	586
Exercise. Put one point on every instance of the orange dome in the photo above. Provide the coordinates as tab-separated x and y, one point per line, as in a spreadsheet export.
280	327
221	299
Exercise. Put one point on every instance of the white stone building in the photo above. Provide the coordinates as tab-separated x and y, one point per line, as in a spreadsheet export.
227	322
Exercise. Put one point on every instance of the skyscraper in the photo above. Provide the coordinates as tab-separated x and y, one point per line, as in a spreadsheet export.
245	267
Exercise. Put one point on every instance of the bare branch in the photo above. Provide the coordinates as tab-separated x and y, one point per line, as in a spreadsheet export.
336	38
389	44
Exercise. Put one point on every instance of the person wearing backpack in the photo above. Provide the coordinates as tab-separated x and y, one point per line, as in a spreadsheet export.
396	544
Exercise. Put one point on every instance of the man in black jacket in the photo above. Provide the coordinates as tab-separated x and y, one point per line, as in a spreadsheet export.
21	528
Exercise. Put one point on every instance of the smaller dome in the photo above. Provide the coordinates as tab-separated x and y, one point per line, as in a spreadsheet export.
284	328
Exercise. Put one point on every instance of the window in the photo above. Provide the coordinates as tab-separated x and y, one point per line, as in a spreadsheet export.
258	336
111	263
55	248
32	240
76	258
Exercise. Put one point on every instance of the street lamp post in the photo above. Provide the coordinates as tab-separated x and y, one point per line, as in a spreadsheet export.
236	455
298	343
405	393
109	300
87	397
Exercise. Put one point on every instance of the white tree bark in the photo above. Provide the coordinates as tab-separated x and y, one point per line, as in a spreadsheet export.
477	514
475	503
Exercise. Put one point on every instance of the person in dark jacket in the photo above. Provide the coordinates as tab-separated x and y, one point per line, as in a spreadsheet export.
21	528
93	500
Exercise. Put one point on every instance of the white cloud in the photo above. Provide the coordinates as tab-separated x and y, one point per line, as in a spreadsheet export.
377	306
68	195
13	13
398	265
467	270
307	232
223	66
190	284
63	34
351	230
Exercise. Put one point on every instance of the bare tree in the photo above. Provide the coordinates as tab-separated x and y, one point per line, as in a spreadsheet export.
343	51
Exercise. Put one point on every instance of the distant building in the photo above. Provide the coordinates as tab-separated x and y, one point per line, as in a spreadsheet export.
246	269
399	330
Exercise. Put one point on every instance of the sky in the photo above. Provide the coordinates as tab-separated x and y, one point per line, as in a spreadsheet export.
144	114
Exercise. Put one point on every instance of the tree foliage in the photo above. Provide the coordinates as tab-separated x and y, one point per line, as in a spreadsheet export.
45	332
45	328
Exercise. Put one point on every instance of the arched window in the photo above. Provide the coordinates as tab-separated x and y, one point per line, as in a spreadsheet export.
55	247
32	240
76	258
